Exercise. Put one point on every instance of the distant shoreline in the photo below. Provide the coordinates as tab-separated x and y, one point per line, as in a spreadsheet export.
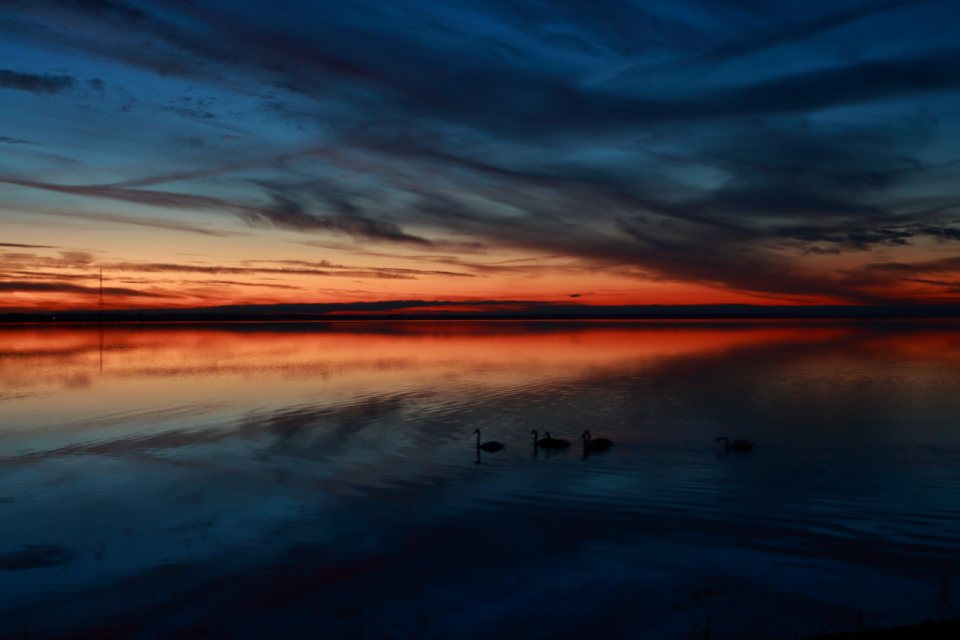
203	316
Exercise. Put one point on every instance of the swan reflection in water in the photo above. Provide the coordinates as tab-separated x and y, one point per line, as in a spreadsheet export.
548	441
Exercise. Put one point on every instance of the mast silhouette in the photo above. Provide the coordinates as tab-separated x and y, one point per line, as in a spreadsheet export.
101	321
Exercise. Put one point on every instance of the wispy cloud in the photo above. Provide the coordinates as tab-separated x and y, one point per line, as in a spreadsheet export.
284	213
235	283
83	260
51	287
25	246
326	264
9	140
36	83
137	221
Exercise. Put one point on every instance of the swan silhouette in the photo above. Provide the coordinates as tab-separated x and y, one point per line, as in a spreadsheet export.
600	444
736	445
541	442
491	446
549	442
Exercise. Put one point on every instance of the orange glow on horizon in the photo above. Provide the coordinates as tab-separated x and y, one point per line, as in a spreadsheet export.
228	274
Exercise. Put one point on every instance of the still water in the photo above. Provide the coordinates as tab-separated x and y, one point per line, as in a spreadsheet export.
279	481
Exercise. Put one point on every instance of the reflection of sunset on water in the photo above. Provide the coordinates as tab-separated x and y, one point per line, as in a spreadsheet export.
226	450
280	361
31	354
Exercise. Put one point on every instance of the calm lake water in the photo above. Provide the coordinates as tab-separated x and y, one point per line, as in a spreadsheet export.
178	480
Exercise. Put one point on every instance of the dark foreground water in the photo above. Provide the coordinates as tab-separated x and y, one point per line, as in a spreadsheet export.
270	481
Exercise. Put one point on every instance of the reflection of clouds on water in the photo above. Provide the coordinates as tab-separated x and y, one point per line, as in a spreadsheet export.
36	556
292	453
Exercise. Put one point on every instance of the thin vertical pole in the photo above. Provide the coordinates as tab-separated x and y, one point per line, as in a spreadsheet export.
101	322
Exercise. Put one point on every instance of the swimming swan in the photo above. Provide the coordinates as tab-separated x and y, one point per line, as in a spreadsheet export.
491	446
736	445
549	442
542	442
600	444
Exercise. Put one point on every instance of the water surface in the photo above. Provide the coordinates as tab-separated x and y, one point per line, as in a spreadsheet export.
163	480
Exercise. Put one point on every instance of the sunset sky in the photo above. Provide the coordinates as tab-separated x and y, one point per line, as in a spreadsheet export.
221	152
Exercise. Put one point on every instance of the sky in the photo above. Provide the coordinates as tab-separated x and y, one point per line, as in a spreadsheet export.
478	152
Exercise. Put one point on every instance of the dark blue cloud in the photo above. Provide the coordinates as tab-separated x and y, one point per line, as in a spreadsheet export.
35	82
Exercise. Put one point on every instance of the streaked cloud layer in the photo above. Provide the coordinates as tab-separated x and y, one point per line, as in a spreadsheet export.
677	152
